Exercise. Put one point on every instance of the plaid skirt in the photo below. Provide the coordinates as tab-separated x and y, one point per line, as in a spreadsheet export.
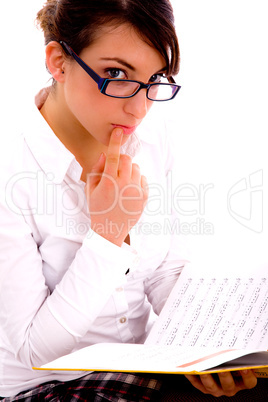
95	387
124	387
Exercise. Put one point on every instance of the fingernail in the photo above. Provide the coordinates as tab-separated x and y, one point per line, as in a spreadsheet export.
118	132
102	156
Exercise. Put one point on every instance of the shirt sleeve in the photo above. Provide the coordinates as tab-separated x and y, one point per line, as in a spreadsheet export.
38	325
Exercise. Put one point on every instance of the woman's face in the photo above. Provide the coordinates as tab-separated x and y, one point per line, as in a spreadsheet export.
117	53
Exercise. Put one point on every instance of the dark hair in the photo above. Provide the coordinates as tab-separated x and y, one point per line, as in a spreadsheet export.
78	22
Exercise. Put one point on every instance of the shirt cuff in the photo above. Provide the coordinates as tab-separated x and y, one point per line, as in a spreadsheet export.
126	256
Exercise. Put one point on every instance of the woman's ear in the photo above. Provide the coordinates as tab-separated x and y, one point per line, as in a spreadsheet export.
55	61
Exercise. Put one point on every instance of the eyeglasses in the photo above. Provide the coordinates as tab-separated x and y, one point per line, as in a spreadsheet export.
118	88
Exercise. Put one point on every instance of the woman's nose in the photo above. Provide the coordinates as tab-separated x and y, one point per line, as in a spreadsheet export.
138	105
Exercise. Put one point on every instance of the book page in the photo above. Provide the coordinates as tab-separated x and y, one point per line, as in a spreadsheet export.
150	358
209	322
215	311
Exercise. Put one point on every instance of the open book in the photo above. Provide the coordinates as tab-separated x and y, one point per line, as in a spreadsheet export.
210	323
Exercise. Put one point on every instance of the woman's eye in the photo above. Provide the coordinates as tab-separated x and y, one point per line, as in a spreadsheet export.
116	73
156	78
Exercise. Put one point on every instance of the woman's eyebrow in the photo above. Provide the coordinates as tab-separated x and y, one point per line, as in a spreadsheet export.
120	61
129	66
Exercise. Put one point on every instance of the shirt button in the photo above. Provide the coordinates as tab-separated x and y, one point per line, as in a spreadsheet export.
123	320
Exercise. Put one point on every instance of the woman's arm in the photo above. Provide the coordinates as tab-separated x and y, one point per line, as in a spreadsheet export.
38	325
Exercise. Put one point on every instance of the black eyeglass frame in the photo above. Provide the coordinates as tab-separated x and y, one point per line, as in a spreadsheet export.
103	82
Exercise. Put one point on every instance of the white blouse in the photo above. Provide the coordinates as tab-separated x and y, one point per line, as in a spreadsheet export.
62	286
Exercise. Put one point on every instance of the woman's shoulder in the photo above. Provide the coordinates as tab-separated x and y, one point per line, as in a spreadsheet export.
156	135
14	151
153	129
10	151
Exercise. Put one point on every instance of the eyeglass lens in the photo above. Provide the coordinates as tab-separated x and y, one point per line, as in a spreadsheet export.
128	88
161	92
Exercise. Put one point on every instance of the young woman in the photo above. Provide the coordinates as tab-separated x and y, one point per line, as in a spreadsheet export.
85	254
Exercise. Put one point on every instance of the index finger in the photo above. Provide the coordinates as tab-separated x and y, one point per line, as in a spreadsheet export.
113	153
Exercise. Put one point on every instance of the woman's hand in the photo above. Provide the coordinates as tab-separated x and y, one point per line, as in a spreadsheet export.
116	193
225	384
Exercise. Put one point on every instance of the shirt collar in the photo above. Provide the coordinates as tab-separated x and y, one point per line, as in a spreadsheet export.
52	156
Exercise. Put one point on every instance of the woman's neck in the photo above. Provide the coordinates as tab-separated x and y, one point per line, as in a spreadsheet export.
73	136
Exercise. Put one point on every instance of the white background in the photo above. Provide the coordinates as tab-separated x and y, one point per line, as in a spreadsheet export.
219	119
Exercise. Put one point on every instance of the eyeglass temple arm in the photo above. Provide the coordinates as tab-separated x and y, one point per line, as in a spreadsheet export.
92	73
171	80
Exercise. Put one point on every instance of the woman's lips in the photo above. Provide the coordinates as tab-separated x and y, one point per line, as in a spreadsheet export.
128	130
